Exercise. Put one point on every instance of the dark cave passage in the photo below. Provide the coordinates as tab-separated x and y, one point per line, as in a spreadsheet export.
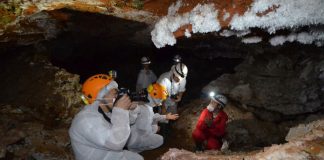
95	43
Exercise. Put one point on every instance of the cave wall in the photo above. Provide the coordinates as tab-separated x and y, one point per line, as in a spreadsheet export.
278	83
31	83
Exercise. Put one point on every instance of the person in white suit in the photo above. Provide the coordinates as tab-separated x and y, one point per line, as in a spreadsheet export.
175	82
101	129
146	76
143	132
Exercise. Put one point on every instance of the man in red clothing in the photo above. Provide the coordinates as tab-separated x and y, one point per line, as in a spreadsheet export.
211	125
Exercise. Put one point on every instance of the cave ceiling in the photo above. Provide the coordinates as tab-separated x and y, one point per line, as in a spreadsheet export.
165	21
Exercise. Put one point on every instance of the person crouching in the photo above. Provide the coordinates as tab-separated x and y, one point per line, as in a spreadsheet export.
210	128
143	132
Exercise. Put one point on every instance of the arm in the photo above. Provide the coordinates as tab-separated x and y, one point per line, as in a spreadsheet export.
219	125
159	118
107	136
133	114
182	89
183	85
201	124
179	97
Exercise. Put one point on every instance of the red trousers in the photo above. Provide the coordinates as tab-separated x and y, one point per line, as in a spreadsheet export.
212	142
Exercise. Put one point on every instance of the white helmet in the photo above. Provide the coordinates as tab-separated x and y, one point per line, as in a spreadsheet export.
177	59
221	99
145	60
180	70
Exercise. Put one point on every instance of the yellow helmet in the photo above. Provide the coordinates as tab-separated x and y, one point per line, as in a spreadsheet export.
157	91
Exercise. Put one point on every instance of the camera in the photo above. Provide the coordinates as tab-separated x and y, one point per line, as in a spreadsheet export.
134	96
174	96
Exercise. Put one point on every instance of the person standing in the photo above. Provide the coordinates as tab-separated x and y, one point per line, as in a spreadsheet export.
146	76
175	83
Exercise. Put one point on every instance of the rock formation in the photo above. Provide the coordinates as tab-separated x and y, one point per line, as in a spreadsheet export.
308	145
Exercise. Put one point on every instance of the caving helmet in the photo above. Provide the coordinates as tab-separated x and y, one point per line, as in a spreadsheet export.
180	70
145	60
220	99
93	85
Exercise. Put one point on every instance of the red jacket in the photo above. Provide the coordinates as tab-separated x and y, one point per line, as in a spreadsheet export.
212	127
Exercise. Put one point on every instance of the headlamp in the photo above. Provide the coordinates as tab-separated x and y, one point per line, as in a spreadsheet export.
211	94
84	99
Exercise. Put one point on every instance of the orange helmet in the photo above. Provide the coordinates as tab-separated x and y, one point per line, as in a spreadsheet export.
157	91
93	85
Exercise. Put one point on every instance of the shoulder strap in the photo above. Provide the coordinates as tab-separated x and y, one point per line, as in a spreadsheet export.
104	115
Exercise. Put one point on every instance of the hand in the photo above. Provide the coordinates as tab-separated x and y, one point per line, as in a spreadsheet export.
225	145
133	105
171	116
208	122
124	102
178	99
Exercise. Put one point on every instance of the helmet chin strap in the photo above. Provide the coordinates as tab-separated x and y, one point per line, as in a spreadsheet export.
106	103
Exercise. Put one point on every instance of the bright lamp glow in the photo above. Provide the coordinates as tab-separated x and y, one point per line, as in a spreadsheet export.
211	94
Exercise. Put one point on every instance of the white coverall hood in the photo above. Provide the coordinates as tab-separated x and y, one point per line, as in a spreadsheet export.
106	89
153	102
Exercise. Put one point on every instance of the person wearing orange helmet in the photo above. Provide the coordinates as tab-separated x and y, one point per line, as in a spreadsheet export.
101	129
143	132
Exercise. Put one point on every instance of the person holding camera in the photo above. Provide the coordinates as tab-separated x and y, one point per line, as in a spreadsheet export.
175	82
146	76
143	132
101	129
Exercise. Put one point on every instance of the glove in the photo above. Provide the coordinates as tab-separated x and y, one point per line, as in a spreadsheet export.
224	146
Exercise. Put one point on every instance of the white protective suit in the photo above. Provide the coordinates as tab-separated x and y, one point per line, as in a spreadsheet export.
143	132
144	79
173	88
94	138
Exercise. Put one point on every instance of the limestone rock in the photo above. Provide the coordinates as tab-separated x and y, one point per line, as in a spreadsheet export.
28	138
303	129
275	84
307	146
243	93
49	93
